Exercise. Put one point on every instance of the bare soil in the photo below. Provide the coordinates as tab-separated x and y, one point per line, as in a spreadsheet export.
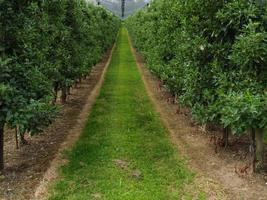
221	173
32	166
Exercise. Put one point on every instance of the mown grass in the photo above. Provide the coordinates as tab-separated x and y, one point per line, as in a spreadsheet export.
124	152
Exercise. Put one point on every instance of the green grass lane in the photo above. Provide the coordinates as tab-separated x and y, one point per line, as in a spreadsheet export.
124	152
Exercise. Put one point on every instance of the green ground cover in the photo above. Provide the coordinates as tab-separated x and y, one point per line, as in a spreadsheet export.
124	152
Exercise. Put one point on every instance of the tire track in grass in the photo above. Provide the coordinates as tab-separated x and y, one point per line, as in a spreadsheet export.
124	152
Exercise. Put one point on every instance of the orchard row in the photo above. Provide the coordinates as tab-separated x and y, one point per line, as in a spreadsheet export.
45	47
212	55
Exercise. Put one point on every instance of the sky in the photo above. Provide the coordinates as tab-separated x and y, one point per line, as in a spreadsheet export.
130	7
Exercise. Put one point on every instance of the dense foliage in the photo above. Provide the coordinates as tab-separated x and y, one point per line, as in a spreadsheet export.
45	46
212	54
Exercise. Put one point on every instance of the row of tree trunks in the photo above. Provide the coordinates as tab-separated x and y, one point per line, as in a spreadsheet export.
65	90
256	147
18	135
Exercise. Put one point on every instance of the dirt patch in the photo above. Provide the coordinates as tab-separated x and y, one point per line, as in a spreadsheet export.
125	165
219	174
30	167
136	174
121	164
97	196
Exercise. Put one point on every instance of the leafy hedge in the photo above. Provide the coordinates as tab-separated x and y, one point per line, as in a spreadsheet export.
45	46
212	54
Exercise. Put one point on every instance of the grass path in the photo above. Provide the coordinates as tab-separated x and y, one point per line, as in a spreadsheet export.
124	152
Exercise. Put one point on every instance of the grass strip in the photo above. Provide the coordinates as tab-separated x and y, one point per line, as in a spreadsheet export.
124	152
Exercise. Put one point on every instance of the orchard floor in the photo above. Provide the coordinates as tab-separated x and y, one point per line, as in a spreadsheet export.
136	145
124	152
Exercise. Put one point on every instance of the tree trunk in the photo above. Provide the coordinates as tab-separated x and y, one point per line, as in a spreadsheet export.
68	90
253	150
23	141
176	99
64	95
259	148
55	93
1	147
226	137
76	84
16	137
